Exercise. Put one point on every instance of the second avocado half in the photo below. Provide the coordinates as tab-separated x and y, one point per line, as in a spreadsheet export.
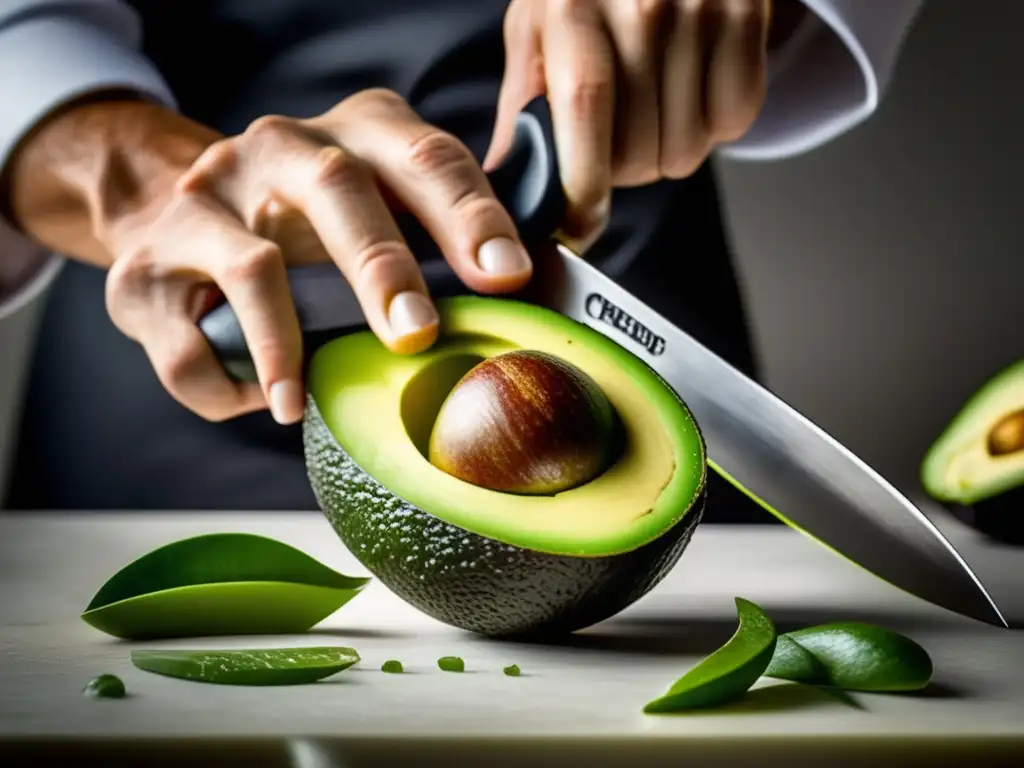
496	563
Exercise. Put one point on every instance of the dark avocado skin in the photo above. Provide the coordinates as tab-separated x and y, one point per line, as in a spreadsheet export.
469	581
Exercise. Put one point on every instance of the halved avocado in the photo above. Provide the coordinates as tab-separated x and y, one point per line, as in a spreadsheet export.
976	466
492	562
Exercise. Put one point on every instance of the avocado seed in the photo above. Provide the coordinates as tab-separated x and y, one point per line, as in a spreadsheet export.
525	422
1007	436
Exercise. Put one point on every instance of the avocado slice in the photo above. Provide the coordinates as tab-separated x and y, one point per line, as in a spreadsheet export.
976	466
492	562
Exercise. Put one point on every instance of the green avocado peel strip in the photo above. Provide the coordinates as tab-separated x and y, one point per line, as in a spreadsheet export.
219	584
255	666
727	673
852	656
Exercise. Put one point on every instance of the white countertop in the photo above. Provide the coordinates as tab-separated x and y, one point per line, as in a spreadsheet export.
585	697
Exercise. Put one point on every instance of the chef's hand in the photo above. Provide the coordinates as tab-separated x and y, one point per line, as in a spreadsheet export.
640	90
174	209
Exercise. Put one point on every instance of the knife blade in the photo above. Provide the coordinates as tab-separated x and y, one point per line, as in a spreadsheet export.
769	450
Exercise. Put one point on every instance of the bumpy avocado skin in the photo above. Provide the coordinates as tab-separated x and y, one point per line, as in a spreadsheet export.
469	581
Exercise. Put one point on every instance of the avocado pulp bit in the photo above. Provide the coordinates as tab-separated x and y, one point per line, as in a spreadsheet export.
219	584
104	687
255	666
451	664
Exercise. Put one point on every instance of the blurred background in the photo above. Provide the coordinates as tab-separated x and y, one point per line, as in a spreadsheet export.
885	272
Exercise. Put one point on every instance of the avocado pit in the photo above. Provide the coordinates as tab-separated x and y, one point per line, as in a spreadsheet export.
1007	436
525	422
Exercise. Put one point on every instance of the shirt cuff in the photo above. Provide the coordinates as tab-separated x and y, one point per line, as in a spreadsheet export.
829	78
62	58
26	271
51	54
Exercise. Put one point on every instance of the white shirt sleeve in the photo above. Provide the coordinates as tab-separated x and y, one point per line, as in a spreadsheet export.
52	52
829	77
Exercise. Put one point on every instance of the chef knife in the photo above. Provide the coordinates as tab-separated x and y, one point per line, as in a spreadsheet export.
756	441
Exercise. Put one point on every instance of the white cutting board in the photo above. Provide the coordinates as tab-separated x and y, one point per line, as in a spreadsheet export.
581	703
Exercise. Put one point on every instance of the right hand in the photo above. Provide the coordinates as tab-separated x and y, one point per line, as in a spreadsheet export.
288	192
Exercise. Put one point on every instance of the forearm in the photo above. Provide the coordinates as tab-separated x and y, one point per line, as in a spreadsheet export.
96	165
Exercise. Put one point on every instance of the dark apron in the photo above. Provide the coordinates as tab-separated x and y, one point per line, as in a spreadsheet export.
99	432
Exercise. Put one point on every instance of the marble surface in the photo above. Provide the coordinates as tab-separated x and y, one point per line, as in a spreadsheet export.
582	698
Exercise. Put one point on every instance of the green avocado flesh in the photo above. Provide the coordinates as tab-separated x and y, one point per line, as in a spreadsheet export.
980	454
493	562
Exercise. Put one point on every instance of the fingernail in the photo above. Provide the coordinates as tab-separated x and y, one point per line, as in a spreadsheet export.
287	401
410	312
502	256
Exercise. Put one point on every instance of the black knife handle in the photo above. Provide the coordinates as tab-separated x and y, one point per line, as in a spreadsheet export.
527	183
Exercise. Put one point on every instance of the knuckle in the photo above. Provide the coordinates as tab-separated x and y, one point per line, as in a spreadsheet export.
696	11
268	126
592	202
647	11
481	213
272	356
437	152
385	96
179	363
636	173
255	264
683	164
377	261
333	165
691	7
372	99
218	156
218	159
590	96
744	13
132	274
571	10
738	122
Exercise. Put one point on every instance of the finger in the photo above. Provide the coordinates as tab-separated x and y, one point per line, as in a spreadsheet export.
250	271
737	74
191	374
523	78
152	308
338	194
684	134
635	30
579	68
211	242
439	181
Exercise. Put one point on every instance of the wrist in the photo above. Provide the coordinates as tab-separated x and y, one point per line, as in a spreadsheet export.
98	168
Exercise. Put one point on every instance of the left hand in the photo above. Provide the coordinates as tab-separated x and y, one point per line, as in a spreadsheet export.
640	90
